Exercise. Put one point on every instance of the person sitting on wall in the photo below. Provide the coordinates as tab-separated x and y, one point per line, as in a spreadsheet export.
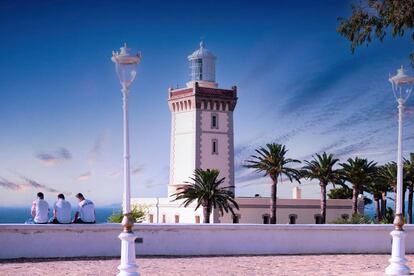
86	210
62	210
40	209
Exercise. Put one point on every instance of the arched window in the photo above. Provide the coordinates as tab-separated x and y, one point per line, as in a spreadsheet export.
214	146
236	218
197	219
151	218
318	218
214	120
177	218
293	218
266	218
164	218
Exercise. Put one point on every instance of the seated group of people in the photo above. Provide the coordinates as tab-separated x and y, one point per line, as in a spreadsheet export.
62	210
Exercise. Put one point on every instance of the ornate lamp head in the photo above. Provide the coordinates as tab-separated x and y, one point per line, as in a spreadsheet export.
126	65
402	85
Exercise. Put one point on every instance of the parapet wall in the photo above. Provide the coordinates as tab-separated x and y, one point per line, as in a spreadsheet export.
41	241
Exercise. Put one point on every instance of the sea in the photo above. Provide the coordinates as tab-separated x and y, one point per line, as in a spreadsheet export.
22	214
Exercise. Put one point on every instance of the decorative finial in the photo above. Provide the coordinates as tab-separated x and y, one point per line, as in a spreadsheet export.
201	44
125	45
401	71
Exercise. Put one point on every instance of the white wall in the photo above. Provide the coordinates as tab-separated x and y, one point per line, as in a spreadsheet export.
220	161
251	210
39	241
182	147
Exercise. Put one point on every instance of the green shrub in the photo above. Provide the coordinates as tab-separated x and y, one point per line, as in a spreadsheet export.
355	219
389	216
138	214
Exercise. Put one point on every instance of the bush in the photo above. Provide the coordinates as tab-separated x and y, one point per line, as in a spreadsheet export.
355	219
138	214
389	216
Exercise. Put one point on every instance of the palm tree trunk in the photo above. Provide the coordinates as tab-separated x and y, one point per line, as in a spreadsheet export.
377	208
410	204
354	200
206	213
323	202
384	204
273	199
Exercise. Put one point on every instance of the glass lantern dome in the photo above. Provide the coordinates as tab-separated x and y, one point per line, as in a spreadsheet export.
202	65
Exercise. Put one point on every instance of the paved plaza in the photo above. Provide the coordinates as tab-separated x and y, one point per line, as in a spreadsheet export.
244	265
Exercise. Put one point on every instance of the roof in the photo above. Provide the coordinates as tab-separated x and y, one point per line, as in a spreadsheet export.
202	52
204	92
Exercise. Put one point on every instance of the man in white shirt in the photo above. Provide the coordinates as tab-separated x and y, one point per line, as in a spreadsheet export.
62	210
40	209
86	210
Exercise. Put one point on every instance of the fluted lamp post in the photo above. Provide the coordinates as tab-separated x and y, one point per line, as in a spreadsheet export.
402	86
126	69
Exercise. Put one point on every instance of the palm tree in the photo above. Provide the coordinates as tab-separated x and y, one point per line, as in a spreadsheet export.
272	161
379	188
205	189
343	192
390	174
386	173
321	168
409	177
359	172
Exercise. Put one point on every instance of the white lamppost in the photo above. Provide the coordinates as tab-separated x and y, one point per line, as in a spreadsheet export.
126	69
402	86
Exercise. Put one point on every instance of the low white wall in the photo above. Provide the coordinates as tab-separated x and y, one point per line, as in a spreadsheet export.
29	241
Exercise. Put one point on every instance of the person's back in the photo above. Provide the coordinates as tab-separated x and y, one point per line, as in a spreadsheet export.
62	210
87	211
40	210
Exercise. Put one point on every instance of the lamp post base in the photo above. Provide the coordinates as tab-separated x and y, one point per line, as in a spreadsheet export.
398	261
128	266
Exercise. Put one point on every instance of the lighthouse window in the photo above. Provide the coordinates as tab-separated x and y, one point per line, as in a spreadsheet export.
197	69
214	120
214	146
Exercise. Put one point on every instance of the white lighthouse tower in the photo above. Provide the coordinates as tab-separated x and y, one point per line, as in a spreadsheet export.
202	137
201	123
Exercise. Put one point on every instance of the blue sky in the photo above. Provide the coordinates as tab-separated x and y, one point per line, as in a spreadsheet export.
298	84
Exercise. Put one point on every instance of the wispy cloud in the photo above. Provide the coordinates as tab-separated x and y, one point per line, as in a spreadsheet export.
134	171
84	176
10	185
31	183
52	158
115	173
26	183
97	148
138	170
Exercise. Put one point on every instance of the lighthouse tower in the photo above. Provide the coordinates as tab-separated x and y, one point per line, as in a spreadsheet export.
201	123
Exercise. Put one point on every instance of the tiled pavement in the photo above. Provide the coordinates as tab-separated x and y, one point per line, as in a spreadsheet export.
198	266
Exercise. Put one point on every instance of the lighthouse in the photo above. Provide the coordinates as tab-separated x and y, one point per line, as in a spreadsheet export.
201	123
202	137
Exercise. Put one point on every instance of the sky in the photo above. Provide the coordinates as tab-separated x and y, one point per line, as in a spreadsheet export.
298	84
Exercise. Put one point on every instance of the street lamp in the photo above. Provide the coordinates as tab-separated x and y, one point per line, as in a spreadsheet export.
126	69
402	86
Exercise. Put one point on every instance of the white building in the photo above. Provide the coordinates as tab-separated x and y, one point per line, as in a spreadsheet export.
202	137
